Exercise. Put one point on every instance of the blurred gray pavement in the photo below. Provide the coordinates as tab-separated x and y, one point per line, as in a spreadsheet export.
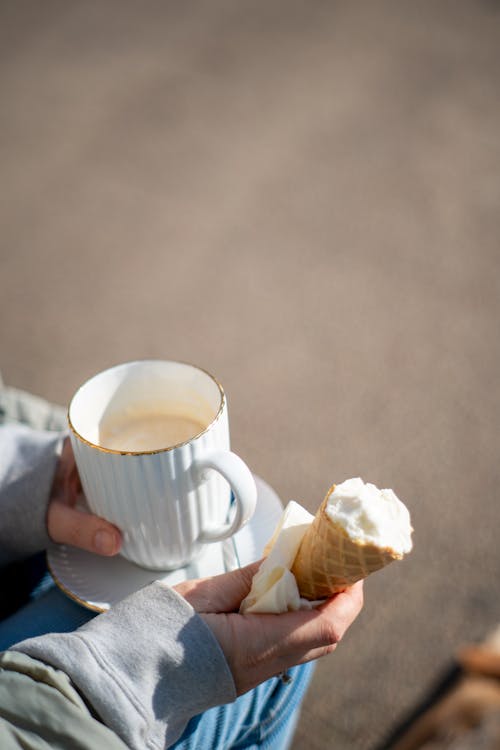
303	198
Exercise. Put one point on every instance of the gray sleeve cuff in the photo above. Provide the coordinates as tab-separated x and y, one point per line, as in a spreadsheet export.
28	460
147	666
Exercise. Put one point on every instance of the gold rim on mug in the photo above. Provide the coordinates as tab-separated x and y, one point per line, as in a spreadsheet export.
157	450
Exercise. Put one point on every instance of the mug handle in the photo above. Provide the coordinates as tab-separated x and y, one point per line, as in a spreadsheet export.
239	476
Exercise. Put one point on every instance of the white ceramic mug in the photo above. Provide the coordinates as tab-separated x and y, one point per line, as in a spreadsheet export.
172	500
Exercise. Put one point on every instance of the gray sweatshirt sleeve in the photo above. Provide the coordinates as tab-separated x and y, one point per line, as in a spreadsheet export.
27	463
146	667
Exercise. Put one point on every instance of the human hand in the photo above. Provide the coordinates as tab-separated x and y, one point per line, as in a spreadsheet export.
260	646
67	524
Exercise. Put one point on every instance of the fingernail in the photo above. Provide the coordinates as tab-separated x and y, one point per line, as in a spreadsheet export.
104	543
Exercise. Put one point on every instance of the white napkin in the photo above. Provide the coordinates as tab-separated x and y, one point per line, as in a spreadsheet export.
274	588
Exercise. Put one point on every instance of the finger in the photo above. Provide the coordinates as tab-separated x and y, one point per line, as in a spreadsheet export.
306	634
222	593
73	485
323	628
319	637
67	525
345	607
66	484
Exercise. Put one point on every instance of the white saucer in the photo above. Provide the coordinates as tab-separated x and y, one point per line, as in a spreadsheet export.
98	582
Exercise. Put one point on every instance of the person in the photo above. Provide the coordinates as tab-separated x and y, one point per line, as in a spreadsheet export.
165	667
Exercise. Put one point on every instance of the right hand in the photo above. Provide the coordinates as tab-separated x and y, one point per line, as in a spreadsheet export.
260	646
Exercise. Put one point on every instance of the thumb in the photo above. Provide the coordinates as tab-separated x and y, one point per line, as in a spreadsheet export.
67	525
222	593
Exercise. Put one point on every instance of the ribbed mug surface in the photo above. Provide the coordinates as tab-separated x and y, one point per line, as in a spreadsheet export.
171	501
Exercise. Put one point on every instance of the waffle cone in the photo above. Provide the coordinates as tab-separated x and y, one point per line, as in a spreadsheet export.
328	560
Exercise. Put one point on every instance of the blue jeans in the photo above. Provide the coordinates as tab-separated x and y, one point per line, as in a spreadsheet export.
262	718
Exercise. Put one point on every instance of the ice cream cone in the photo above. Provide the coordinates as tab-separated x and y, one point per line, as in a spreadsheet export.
329	561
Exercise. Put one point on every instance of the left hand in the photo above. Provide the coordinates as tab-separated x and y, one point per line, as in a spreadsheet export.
67	524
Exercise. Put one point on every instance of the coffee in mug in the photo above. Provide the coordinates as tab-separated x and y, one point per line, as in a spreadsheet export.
142	431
